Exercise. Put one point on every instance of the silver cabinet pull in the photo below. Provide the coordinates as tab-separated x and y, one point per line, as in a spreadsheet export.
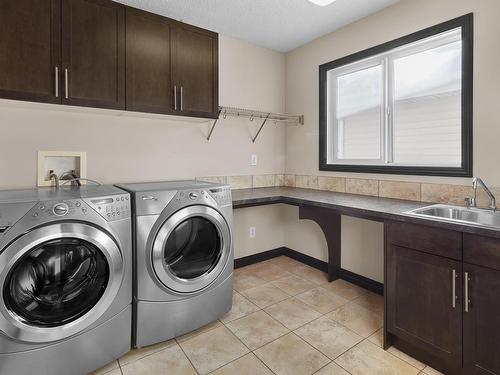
66	84
453	288
182	98
175	98
149	198
467	301
56	82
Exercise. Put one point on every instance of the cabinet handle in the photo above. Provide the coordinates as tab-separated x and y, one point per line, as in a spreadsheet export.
467	301
66	84
182	98
175	98
453	288
56	80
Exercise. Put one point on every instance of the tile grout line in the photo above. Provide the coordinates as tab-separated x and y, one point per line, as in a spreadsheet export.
189	359
395	356
321	316
241	356
224	324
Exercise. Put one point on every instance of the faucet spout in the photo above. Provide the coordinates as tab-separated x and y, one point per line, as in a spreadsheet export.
477	181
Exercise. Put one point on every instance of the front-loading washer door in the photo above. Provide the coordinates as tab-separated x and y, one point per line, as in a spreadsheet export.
57	280
191	249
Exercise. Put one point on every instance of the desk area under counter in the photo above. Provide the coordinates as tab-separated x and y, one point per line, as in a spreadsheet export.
439	276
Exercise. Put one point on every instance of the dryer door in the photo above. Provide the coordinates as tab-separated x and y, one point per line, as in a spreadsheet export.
191	249
57	280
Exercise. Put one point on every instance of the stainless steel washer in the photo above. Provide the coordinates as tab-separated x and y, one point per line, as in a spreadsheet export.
183	257
65	279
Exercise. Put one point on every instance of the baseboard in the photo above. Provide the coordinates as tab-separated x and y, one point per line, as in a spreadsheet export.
362	281
354	278
259	257
306	259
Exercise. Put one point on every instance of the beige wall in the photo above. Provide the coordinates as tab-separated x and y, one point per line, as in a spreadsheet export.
132	147
269	229
403	18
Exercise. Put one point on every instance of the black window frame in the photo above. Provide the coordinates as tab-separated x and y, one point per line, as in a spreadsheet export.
466	24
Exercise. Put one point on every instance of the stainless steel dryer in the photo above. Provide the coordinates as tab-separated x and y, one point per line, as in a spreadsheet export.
65	279
184	257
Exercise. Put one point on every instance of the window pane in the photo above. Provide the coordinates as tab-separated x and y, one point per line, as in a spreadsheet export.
427	107
358	109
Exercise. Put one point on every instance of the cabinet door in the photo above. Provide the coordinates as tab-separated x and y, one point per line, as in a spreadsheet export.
194	71
30	49
482	321
149	87
424	304
93	53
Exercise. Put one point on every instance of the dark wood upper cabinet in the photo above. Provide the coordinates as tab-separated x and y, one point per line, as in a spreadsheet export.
98	53
195	71
424	303
93	53
30	53
148	82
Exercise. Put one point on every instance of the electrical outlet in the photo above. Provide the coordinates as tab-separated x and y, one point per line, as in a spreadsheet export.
251	232
253	160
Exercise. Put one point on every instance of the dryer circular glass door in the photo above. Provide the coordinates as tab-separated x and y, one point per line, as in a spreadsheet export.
60	280
191	249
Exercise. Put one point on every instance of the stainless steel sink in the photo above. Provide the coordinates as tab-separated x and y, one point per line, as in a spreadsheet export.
461	215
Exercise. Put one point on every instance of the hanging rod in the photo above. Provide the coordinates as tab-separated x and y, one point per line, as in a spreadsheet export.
265	117
252	114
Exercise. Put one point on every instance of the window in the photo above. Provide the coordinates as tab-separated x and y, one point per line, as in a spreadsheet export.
402	107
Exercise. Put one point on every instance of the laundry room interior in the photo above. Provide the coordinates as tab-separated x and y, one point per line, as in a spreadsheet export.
195	158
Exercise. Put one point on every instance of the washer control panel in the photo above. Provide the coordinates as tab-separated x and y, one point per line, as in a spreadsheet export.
60	209
112	208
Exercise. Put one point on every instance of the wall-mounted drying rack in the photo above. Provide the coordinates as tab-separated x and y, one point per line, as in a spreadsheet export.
265	117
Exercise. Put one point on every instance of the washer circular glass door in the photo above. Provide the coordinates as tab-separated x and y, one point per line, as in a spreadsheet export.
60	280
191	249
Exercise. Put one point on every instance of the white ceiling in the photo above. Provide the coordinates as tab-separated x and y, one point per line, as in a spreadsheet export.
281	25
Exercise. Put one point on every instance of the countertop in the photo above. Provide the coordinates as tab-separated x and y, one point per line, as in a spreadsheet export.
362	206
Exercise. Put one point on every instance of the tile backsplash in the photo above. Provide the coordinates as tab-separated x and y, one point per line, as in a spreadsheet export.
414	191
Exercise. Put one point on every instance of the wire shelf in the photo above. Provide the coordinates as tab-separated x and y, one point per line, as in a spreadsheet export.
255	115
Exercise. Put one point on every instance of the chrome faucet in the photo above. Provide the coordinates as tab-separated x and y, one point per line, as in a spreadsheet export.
53	176
472	202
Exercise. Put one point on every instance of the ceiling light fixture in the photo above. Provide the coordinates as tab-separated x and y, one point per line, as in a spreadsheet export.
322	3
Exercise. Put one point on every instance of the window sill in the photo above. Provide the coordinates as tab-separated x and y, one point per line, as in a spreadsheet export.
386	169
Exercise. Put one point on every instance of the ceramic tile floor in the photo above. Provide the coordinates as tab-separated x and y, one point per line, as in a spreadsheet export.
286	320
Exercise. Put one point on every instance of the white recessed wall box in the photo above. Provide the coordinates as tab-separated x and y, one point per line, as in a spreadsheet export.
59	163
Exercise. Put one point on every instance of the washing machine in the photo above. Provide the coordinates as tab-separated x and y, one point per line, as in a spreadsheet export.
183	257
65	279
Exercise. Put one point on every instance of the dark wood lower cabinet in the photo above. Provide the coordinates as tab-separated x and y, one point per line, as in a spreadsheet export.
443	310
424	307
482	321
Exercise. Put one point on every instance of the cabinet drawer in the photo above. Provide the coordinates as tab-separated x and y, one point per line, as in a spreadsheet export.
431	240
482	251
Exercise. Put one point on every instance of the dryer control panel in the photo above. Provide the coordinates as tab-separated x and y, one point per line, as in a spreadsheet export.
222	195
